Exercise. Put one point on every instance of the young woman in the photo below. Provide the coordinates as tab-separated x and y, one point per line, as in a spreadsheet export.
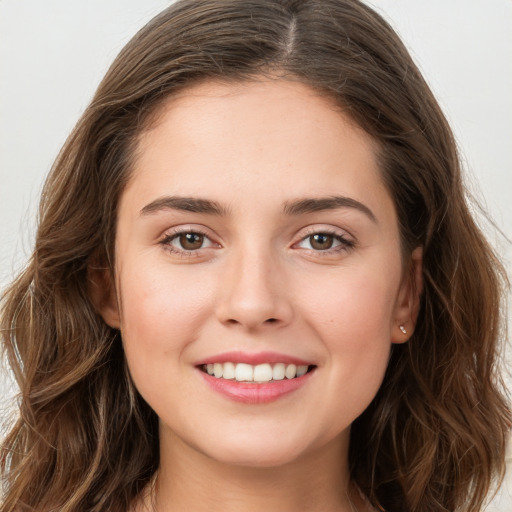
256	284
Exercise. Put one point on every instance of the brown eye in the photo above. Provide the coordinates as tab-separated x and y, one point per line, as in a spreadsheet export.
326	242
188	242
191	241
321	241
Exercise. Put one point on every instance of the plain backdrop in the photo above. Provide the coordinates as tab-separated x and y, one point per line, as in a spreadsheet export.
53	54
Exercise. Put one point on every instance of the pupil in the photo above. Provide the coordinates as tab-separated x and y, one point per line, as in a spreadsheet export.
321	241
191	241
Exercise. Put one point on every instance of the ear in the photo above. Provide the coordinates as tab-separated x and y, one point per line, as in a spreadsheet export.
102	292
408	300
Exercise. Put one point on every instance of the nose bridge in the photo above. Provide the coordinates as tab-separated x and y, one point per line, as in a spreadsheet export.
252	285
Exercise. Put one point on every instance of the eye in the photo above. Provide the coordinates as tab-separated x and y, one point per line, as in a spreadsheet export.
320	241
325	241
190	241
187	241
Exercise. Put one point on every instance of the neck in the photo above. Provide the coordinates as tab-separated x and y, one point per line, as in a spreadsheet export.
190	480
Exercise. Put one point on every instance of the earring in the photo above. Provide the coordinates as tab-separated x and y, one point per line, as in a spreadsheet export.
402	328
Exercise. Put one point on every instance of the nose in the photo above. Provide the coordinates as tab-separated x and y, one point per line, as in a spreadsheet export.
253	292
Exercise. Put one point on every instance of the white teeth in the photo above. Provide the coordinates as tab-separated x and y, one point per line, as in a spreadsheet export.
260	373
278	371
218	370
243	372
301	370
229	371
291	371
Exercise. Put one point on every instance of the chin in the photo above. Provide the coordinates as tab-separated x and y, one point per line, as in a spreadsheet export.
265	451
258	459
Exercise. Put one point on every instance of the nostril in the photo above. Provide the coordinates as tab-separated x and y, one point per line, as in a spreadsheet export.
271	320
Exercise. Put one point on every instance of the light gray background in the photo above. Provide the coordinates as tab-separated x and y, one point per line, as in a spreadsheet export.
53	53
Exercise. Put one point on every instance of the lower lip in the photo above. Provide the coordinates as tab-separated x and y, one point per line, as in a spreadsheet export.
260	393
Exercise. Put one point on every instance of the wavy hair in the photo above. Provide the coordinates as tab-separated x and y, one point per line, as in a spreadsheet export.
432	439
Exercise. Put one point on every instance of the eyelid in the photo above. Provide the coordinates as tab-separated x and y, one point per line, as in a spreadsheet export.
187	228
347	241
172	233
326	229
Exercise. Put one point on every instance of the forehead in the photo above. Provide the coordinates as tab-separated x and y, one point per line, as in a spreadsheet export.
228	140
287	108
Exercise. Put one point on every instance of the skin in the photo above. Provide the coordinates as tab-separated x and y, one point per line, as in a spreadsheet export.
257	283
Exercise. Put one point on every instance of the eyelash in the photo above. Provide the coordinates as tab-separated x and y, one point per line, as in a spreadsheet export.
166	242
344	243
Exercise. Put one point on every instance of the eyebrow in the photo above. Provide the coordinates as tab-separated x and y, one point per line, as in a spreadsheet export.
312	205
187	204
297	207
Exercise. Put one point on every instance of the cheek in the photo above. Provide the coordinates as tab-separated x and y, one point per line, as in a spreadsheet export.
352	314
354	305
160	315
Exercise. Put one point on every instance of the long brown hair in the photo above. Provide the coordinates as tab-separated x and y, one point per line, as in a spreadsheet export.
433	438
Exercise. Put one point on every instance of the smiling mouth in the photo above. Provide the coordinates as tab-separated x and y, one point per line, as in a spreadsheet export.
261	373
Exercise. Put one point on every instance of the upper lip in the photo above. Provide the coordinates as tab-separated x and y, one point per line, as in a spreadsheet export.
253	358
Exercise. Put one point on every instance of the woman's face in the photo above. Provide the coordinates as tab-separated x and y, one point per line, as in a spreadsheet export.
256	238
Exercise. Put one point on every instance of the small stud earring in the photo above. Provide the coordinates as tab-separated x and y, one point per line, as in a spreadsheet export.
402	328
